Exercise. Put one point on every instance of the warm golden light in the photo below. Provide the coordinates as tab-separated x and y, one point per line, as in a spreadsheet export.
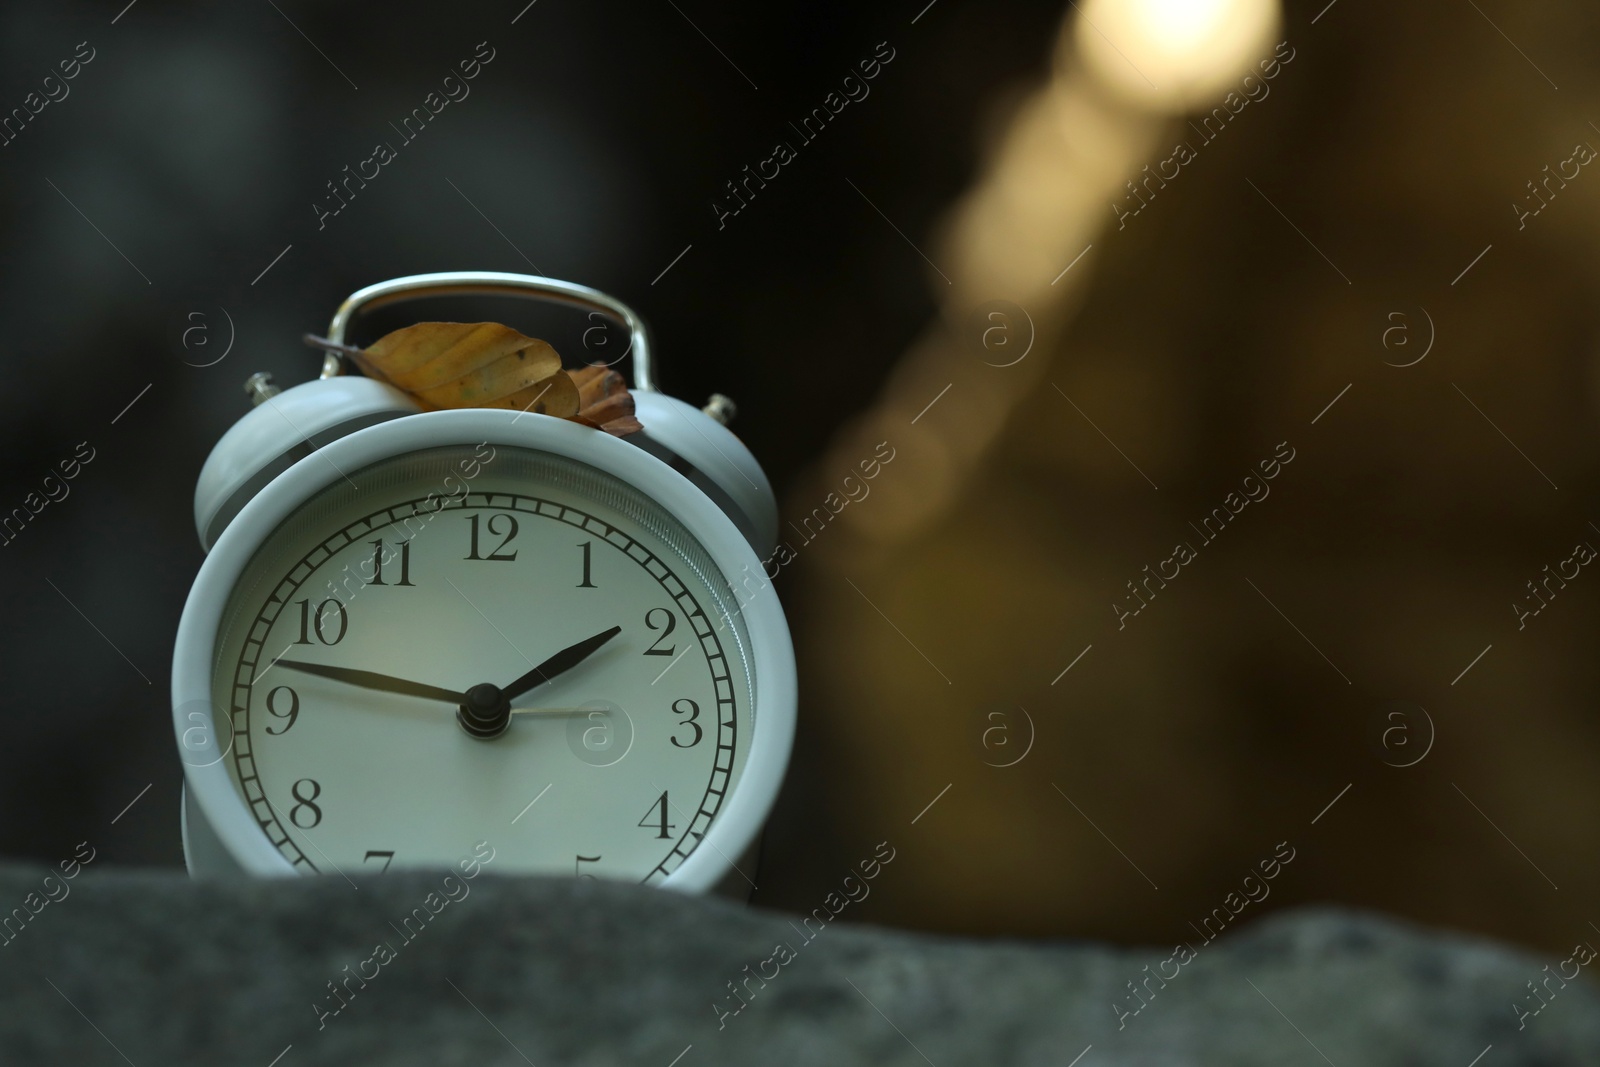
1171	54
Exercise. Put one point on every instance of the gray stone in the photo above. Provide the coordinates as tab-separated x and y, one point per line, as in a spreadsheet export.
152	969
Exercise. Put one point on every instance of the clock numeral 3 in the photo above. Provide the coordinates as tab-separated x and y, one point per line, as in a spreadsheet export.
662	825
291	714
507	532
377	562
671	624
693	711
306	803
577	866
314	621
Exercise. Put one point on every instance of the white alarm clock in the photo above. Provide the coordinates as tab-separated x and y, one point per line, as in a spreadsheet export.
415	632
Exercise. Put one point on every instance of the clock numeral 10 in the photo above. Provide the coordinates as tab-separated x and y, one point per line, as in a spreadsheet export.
314	621
377	562
507	532
306	803
661	825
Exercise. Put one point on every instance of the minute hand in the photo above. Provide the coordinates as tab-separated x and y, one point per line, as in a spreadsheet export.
374	680
562	661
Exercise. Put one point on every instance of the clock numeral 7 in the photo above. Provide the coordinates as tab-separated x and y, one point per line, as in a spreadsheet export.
387	857
506	531
662	826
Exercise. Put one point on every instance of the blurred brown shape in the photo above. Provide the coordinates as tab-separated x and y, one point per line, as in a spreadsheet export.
1177	747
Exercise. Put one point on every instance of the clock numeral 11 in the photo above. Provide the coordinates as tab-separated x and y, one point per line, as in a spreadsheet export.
377	562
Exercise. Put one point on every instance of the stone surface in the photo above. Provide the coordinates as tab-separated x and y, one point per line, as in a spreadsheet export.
153	969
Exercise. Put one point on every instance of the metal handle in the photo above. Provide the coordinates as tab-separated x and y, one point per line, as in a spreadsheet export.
494	283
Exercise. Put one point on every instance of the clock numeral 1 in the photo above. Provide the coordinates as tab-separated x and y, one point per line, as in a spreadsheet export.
577	866
587	546
662	826
387	857
377	562
508	535
306	804
313	621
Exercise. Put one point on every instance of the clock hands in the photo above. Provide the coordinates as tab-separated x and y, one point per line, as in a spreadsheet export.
374	680
485	710
559	663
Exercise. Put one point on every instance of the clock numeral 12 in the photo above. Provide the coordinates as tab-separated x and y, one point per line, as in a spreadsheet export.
494	525
377	562
662	826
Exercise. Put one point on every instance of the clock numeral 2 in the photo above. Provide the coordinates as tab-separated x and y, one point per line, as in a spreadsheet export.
693	711
662	825
577	866
377	562
313	621
507	536
587	547
387	857
671	624
306	804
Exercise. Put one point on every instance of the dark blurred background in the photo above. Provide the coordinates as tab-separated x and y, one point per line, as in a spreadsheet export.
894	283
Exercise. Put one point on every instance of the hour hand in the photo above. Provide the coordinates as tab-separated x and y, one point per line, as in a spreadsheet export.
564	660
374	680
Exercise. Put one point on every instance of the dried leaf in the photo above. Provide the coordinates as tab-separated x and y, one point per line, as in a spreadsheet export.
485	364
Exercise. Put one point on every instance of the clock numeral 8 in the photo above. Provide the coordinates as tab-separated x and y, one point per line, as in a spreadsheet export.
306	804
693	711
313	621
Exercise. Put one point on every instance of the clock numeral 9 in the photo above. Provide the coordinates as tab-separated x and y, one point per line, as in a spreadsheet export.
306	804
662	825
506	531
313	621
671	624
693	711
292	714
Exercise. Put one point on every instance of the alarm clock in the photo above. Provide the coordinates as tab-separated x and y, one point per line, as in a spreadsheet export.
416	632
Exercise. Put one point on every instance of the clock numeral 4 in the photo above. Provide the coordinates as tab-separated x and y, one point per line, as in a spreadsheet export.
670	625
507	532
661	825
693	711
317	621
291	713
577	866
306	803
377	562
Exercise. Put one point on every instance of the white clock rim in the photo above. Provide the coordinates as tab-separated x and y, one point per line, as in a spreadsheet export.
746	807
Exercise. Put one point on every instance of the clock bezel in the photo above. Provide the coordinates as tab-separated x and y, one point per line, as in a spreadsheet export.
771	736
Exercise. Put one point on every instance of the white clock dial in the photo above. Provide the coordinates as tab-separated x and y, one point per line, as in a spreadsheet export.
452	568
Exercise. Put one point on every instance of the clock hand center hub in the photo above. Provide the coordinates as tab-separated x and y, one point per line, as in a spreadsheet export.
486	713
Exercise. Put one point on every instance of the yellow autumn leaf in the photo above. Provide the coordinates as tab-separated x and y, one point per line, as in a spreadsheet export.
472	364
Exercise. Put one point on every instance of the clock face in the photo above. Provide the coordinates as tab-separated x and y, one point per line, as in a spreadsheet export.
484	643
